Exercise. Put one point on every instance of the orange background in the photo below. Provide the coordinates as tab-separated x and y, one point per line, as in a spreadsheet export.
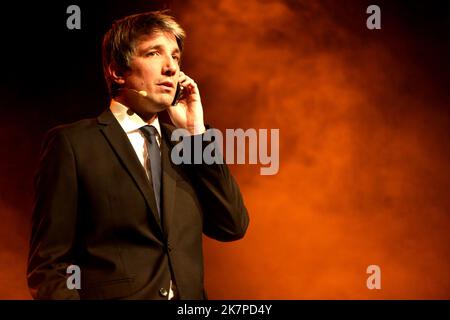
364	172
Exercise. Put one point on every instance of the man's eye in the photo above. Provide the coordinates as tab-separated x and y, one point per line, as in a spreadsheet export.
151	53
176	58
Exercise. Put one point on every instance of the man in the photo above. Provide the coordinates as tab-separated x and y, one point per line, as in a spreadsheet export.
110	200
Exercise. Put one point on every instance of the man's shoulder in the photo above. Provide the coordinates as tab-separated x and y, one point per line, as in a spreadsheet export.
75	130
79	125
76	127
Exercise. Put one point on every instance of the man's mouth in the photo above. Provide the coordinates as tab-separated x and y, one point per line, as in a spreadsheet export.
166	84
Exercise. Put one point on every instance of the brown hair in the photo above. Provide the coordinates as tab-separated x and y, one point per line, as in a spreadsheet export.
120	41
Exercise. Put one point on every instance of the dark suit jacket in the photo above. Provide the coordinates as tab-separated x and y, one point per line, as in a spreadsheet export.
95	208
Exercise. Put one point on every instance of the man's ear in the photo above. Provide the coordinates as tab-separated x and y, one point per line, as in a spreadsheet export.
116	75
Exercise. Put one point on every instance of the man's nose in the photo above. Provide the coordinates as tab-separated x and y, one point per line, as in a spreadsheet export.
170	66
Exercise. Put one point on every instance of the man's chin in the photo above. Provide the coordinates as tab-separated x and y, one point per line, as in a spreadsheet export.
162	104
140	103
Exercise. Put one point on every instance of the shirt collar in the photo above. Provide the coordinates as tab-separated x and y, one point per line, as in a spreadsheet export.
128	120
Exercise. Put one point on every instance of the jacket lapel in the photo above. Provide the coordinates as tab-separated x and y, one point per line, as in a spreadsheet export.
119	141
169	177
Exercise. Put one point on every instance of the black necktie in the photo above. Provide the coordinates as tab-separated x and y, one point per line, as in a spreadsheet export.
153	161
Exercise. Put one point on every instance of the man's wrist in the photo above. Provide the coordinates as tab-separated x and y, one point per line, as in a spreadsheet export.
197	129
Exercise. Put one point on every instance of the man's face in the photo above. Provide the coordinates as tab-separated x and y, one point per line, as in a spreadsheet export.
154	68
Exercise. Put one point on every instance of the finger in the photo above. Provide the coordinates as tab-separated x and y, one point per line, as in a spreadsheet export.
190	86
182	76
188	83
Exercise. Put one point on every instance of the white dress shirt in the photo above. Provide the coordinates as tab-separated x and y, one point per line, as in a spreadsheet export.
130	123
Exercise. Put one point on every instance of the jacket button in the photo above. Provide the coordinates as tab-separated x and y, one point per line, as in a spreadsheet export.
163	292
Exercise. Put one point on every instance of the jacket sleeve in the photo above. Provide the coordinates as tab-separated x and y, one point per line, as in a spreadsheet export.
225	217
54	220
